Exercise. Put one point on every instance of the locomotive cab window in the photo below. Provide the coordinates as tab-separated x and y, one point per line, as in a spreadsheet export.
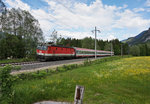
42	47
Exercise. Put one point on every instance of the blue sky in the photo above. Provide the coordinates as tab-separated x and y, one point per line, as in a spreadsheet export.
77	18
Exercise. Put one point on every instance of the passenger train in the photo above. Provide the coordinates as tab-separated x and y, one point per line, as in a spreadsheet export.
48	51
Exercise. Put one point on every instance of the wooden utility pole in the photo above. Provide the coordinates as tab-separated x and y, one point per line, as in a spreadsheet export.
95	31
78	98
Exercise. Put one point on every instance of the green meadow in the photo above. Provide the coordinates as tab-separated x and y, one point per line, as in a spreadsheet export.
106	81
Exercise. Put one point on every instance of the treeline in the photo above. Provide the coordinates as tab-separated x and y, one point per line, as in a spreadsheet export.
20	33
89	43
140	49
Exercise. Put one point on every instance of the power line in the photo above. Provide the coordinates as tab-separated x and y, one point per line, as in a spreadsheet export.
65	7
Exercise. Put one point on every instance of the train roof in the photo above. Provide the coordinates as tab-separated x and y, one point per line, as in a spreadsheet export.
92	50
77	48
56	45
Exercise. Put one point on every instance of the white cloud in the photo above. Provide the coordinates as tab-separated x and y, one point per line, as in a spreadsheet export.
79	35
126	36
110	37
98	14
66	15
129	19
147	3
18	4
138	9
81	15
123	7
44	19
148	9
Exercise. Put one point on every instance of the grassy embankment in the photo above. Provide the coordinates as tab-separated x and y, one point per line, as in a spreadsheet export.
122	81
16	60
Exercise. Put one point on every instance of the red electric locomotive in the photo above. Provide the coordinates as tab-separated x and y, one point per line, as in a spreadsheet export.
47	51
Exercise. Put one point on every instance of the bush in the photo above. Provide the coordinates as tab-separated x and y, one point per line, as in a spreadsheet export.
87	62
6	83
16	68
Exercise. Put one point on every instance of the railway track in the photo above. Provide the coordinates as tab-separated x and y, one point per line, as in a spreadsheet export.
52	63
46	65
37	65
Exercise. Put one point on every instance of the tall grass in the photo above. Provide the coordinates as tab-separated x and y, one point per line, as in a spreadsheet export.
109	81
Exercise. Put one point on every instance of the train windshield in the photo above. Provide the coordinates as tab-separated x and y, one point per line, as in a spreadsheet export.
42	47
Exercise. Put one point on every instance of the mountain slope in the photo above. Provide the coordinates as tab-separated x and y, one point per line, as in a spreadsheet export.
141	38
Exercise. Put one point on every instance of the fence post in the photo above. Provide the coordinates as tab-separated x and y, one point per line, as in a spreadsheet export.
38	72
57	69
76	65
78	94
46	70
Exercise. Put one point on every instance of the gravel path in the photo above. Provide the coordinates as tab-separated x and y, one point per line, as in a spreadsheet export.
50	64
